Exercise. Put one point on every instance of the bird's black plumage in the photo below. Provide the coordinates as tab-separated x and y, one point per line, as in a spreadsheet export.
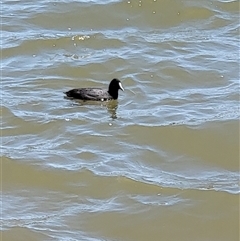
97	93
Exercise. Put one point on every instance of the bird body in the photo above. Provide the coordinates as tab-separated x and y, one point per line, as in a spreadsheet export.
97	94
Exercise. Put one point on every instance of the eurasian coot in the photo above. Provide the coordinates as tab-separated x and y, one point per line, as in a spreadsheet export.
97	93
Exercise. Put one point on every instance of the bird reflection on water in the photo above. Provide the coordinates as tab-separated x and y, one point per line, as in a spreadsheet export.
111	105
112	108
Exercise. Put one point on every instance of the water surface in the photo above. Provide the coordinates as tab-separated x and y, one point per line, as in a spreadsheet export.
161	162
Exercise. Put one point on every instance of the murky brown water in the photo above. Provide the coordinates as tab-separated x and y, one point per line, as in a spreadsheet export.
162	162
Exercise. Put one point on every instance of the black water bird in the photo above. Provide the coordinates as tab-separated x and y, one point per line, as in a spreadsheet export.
97	93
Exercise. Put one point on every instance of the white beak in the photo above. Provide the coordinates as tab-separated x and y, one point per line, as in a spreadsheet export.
120	86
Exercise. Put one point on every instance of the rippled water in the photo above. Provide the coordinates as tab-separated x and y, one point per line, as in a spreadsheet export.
162	162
